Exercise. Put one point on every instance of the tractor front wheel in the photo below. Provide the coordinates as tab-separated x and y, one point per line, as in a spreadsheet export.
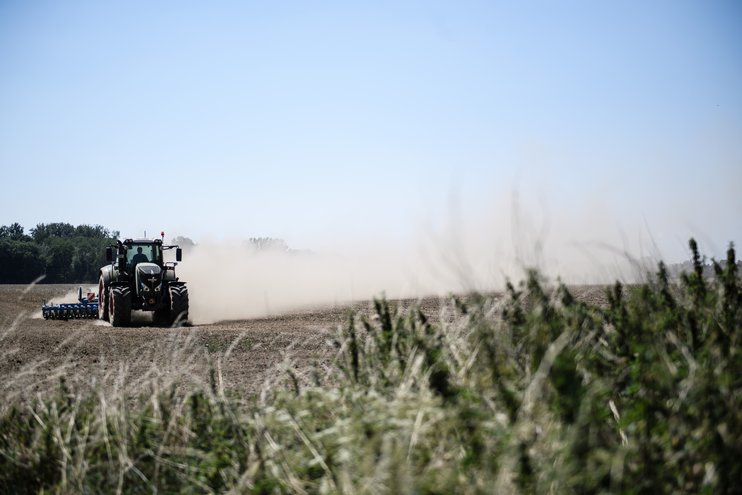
178	305
120	306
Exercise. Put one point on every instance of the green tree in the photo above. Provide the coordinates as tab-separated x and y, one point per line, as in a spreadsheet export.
20	261
61	251
184	242
42	232
57	253
94	232
14	232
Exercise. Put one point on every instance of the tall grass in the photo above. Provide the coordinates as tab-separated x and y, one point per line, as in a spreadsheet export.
535	391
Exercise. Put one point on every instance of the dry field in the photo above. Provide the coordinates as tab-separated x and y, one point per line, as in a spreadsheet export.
36	353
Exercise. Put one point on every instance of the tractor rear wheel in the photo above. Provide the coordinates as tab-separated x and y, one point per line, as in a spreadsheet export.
120	306
102	300
178	305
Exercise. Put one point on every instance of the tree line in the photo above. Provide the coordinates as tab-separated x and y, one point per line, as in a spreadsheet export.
60	252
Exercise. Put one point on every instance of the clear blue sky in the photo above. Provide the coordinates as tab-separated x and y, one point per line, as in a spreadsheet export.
311	119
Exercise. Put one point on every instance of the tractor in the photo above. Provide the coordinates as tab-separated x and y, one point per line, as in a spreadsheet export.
137	278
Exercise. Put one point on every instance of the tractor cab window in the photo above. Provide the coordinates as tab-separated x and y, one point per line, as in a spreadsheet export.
144	253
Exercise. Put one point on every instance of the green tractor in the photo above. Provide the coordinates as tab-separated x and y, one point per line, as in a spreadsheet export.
137	278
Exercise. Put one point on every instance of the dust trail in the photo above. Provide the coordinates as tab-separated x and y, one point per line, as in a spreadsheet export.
231	280
254	283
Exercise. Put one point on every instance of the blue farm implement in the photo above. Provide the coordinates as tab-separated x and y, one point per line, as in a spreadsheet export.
86	307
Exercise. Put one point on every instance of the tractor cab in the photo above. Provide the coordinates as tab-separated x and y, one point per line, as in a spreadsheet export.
142	252
130	253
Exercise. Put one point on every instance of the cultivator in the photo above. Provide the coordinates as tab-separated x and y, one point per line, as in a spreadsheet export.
86	307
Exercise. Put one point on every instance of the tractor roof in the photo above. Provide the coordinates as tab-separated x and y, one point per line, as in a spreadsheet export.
143	241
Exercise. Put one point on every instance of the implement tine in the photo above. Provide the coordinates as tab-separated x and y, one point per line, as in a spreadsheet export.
70	311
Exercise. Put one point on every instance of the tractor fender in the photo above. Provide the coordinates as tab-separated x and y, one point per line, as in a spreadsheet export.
168	276
107	273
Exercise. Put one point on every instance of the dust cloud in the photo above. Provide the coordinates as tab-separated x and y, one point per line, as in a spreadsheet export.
233	280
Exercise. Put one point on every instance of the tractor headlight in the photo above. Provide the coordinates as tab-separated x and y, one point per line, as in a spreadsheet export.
145	288
157	289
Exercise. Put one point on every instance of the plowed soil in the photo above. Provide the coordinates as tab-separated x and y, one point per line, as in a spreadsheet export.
36	353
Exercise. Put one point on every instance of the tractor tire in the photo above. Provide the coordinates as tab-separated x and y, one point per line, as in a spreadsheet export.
178	305
102	300
119	305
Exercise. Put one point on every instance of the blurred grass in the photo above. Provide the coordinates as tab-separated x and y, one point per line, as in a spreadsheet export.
533	393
